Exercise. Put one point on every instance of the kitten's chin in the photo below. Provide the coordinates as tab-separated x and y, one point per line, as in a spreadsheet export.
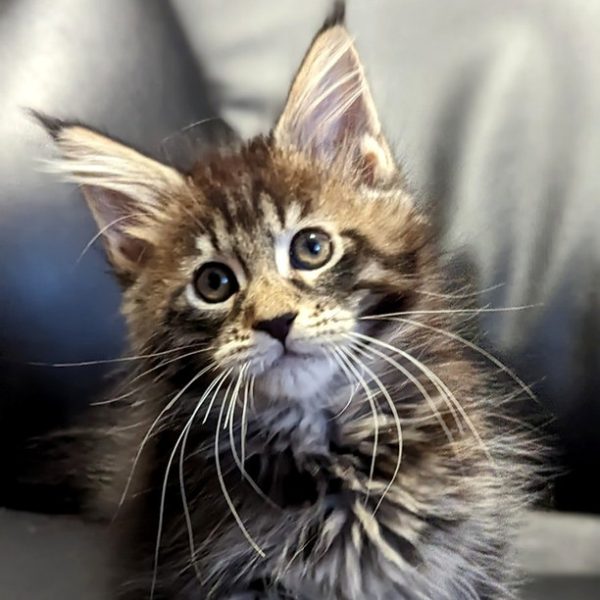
296	377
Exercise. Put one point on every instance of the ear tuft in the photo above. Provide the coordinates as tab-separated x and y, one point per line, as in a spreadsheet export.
52	125
127	192
337	16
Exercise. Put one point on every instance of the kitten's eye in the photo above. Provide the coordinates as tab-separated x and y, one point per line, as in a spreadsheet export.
215	282
310	249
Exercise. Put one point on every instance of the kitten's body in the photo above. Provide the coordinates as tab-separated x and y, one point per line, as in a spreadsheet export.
362	457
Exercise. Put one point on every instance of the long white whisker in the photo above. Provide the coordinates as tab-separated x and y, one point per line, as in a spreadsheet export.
423	391
147	372
252	401
234	396
182	437
115	398
164	363
224	400
429	373
234	453
186	512
244	424
352	383
187	515
146	437
461	296
456	311
477	349
226	495
212	401
360	379
109	361
397	422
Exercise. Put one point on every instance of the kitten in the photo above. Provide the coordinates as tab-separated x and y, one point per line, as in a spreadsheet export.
304	418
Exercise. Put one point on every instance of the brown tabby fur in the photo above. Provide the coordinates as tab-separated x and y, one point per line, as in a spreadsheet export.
409	490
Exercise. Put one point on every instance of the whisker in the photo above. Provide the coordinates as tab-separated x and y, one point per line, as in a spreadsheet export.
352	383
108	361
456	311
186	511
116	398
98	235
234	453
423	391
360	379
146	437
187	128
225	492
429	373
215	385
252	400
182	438
397	422
224	400
144	374
181	477
504	368
234	396
212	401
460	296
164	363
244	424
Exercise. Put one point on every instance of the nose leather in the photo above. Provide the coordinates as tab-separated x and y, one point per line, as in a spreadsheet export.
278	327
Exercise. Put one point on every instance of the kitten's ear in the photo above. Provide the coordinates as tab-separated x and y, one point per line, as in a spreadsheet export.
125	190
330	112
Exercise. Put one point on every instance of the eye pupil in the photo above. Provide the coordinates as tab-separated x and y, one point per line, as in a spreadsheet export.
310	249
215	282
314	247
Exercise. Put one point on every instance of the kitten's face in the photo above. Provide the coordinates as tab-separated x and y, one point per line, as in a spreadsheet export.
270	254
275	262
279	296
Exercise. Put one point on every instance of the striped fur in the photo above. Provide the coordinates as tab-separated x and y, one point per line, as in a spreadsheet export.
373	456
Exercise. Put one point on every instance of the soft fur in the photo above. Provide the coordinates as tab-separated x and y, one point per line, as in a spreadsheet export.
369	457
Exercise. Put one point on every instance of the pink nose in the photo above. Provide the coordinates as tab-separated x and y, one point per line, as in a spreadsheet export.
279	327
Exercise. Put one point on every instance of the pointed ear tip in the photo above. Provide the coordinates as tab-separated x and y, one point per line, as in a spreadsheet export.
334	26
337	16
52	125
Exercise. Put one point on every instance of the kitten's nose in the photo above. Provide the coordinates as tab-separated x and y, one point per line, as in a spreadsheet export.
279	327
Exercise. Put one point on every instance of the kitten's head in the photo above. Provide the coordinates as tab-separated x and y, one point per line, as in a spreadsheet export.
268	254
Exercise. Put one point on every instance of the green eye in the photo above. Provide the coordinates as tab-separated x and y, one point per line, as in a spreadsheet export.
215	282
310	249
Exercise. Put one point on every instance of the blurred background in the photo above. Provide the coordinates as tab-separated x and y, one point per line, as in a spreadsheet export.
493	107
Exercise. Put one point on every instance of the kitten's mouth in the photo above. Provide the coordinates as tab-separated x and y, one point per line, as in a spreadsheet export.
289	357
290	373
296	353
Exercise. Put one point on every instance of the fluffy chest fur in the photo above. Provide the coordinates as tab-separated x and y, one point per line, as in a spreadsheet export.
335	503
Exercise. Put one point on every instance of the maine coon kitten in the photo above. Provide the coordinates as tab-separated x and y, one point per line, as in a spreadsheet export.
304	418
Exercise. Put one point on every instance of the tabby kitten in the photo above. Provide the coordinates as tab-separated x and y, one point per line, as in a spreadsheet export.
304	418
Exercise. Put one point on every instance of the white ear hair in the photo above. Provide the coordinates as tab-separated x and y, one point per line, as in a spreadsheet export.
125	190
330	113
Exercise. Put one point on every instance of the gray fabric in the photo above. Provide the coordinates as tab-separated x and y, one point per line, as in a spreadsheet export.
45	558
